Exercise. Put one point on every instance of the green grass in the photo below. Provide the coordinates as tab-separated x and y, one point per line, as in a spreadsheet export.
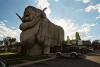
7	53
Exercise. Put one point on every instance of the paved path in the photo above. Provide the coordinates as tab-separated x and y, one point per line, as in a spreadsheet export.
65	62
94	58
32	62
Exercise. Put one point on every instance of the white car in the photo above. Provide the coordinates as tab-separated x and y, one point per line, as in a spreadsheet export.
71	54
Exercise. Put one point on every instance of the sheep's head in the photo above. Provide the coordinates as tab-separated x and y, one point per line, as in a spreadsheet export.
31	13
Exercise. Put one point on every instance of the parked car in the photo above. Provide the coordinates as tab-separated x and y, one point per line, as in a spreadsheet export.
71	54
91	50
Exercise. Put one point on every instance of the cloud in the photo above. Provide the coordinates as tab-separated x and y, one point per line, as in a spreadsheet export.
70	28
7	31
93	8
68	25
98	17
85	30
56	0
90	8
84	1
41	4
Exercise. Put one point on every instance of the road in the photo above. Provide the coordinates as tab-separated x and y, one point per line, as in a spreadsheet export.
68	62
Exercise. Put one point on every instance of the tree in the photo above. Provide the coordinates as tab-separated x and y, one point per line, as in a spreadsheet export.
77	36
96	44
87	42
13	41
9	41
68	41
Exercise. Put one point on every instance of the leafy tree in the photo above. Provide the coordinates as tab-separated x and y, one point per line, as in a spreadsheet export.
77	36
8	41
87	42
68	40
96	44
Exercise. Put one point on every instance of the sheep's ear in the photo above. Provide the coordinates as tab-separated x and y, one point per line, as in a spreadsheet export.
44	9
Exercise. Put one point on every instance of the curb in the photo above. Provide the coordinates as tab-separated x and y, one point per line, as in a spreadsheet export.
31	62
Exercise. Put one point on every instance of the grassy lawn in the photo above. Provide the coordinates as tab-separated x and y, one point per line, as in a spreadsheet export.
13	58
7	53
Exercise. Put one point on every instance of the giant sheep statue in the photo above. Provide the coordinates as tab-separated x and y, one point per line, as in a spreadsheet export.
38	32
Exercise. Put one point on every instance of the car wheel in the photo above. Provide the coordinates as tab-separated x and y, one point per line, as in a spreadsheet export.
73	55
58	54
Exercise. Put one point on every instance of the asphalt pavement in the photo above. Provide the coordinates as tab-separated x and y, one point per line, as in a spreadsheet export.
66	62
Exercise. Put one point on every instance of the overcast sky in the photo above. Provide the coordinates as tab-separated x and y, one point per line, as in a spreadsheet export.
73	15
